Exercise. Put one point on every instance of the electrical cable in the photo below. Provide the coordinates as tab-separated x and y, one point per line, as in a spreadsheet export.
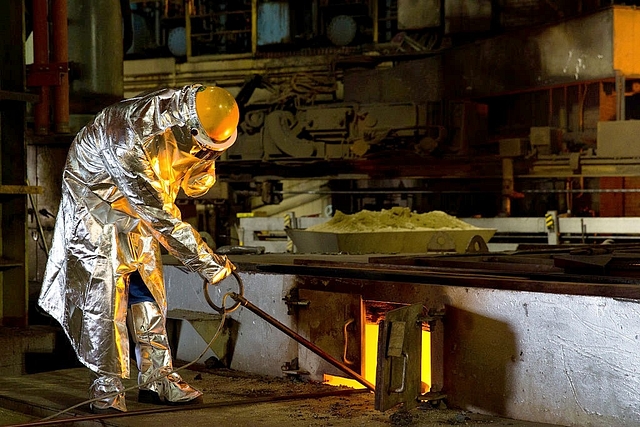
45	247
222	310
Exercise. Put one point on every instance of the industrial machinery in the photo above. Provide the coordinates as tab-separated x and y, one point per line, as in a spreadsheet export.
504	128
204	27
557	137
332	131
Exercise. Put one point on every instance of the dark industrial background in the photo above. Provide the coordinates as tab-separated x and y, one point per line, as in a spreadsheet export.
481	109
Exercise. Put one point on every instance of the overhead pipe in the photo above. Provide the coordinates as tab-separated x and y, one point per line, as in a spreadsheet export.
254	27
61	59
41	64
95	47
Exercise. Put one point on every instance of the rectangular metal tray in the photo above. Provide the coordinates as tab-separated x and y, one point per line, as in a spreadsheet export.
410	241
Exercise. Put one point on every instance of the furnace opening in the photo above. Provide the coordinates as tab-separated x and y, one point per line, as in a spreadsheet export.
375	311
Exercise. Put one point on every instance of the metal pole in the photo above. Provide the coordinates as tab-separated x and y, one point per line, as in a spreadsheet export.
41	63
60	53
254	27
299	338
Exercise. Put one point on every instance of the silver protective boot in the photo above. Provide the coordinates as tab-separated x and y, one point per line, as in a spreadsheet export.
156	382
110	394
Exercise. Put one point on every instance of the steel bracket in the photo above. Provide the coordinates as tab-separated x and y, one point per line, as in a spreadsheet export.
293	301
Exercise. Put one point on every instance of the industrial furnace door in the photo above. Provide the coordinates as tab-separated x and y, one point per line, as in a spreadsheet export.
335	323
398	370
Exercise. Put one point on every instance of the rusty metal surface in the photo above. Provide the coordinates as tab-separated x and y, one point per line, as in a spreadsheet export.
491	279
399	358
341	338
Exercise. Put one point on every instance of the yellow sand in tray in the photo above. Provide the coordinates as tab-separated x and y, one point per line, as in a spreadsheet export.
394	219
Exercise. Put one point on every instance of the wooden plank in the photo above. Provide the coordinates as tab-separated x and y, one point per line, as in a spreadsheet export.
21	189
5	263
6	95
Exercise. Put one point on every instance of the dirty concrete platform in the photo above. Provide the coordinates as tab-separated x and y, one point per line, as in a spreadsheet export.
231	398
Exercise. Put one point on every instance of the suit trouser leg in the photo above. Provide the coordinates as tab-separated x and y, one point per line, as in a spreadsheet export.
109	392
153	356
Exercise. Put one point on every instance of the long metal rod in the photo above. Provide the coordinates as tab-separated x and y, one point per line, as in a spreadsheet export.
386	191
586	190
395	191
302	340
60	55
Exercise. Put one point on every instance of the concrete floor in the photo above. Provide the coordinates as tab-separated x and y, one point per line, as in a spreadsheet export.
231	399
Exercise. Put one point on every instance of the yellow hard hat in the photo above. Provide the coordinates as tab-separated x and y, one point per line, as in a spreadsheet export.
217	112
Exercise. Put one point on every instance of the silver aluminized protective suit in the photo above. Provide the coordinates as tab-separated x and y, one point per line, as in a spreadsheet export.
123	173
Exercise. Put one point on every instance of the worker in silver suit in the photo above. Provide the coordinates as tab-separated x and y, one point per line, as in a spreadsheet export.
103	279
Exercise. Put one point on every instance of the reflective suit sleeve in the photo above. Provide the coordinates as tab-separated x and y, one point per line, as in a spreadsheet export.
128	163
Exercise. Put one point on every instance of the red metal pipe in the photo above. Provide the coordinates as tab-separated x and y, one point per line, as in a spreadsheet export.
60	54
41	63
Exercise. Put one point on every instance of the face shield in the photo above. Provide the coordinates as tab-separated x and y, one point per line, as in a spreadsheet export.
214	128
206	143
215	125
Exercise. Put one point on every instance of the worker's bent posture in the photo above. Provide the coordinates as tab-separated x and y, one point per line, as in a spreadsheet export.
123	173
